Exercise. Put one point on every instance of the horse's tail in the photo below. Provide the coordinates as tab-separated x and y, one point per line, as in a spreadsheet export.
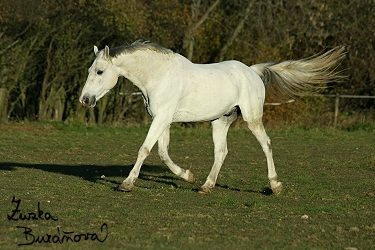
301	77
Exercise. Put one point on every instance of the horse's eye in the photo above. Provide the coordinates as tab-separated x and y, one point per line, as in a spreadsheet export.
99	72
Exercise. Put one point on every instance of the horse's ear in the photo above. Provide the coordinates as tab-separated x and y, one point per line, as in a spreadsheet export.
106	52
95	49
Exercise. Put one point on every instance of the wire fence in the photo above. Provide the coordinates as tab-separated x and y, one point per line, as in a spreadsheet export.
337	97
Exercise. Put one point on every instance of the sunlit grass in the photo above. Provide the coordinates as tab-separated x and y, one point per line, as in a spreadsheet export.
73	171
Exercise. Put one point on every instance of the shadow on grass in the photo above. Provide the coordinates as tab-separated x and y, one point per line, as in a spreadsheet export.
265	191
90	172
93	173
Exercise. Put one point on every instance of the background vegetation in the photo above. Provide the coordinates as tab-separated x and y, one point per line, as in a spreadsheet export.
46	49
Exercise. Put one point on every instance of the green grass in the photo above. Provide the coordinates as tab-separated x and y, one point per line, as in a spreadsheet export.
327	174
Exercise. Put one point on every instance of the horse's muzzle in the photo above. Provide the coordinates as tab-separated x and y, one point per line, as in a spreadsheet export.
87	100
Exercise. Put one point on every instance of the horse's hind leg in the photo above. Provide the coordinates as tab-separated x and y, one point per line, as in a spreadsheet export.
256	127
163	143
219	134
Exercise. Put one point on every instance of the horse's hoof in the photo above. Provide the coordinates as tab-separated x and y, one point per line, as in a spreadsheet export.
126	187
204	190
278	188
191	177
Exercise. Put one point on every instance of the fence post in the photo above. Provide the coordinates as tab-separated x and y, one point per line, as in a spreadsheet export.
3	105
337	102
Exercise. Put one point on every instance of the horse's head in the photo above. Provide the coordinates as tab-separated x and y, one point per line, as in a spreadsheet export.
102	77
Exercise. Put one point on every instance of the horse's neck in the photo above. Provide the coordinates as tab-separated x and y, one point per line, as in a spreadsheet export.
143	67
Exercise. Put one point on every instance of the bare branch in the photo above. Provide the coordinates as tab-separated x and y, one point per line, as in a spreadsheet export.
205	16
188	43
236	31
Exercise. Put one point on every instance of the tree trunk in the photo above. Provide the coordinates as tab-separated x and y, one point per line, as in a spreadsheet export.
102	106
58	110
92	119
236	31
188	43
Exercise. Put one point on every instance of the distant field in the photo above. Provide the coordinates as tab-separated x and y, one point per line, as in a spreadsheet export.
71	173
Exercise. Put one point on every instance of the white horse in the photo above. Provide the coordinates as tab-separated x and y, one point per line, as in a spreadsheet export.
177	90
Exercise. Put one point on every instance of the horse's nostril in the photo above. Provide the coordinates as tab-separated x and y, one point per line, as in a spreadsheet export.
88	101
85	100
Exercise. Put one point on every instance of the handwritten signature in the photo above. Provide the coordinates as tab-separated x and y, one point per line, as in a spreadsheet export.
41	215
59	237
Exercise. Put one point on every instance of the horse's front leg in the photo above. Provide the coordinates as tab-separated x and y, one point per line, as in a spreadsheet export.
163	144
219	135
158	125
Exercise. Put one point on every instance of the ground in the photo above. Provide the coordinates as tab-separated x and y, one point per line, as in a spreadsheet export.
72	172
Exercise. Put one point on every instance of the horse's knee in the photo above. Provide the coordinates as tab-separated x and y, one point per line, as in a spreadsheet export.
222	151
163	156
143	152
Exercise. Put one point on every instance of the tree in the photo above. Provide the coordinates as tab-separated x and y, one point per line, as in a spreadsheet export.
236	31
196	21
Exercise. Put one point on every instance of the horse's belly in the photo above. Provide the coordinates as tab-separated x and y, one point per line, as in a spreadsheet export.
203	110
187	116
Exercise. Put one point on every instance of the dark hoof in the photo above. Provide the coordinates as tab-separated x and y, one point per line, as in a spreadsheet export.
278	188
126	187
204	190
191	177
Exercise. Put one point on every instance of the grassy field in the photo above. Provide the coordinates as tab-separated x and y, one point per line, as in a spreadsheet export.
63	179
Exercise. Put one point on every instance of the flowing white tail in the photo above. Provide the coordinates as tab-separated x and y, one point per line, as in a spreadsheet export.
301	77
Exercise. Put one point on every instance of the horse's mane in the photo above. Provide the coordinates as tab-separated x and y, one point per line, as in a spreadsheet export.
138	45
